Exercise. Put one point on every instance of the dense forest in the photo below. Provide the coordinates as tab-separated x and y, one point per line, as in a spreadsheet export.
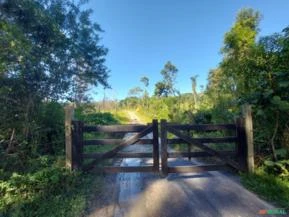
50	56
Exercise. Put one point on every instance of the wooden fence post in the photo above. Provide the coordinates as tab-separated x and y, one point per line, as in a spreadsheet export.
189	147
73	140
248	123
77	145
69	112
245	144
156	146
164	147
241	148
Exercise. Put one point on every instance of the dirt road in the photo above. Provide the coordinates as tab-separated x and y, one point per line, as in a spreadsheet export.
209	194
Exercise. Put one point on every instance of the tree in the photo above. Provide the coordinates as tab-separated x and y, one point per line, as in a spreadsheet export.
166	86
145	81
136	91
161	89
46	45
194	88
238	47
270	96
254	72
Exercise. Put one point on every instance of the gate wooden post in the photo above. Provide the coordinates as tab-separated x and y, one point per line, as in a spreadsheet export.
189	147
241	143
73	139
156	157
247	115
69	112
77	145
164	148
245	145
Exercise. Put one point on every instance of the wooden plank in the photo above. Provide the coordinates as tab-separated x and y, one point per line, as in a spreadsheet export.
156	156
205	148
164	151
119	155
103	142
92	155
203	127
129	141
189	146
114	141
198	154
77	144
115	128
230	139
196	169
241	143
128	169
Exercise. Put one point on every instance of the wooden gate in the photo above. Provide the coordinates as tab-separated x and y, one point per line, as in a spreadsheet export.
75	143
240	159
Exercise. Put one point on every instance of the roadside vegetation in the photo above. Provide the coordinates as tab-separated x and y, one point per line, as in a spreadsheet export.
271	182
41	185
50	55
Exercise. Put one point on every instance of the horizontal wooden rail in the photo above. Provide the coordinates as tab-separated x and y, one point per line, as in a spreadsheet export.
198	154
115	128
205	140
196	169
118	155
128	169
114	141
203	127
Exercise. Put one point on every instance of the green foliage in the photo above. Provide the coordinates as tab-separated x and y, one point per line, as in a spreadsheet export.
50	131
271	187
104	118
279	168
45	189
49	50
33	185
253	72
136	91
166	86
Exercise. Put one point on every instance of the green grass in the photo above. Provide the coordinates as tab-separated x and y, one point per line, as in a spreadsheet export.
269	187
143	117
122	117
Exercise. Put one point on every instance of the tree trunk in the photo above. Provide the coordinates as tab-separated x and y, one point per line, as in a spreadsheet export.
11	145
273	137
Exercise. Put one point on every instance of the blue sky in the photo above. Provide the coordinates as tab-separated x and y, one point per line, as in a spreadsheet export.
142	35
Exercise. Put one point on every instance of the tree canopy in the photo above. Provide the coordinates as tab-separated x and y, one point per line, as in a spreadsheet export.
49	50
166	86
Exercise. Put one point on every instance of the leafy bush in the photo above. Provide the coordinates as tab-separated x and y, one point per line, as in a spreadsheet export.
97	118
48	189
279	168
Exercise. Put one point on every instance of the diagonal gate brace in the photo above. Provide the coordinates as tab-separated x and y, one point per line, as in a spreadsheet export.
130	141
205	148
